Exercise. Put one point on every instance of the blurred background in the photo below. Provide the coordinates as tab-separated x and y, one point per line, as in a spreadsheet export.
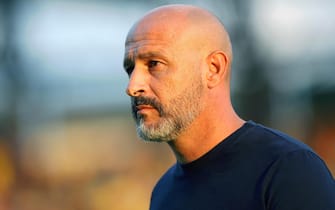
67	140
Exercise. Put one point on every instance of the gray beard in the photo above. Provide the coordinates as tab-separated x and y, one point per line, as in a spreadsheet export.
175	117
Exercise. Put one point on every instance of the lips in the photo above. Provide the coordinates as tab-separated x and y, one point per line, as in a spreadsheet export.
142	108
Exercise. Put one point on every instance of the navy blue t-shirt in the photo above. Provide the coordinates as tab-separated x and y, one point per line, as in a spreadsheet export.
255	168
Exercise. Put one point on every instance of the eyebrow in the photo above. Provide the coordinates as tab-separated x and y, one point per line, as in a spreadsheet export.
128	61
151	54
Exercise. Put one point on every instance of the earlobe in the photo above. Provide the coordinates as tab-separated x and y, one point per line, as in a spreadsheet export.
217	68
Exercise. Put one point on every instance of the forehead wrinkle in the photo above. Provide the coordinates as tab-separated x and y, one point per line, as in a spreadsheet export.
146	39
139	35
144	49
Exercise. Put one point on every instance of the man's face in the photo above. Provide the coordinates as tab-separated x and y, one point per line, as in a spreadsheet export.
174	115
165	84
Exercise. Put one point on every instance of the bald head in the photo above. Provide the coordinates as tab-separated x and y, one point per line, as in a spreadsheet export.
188	24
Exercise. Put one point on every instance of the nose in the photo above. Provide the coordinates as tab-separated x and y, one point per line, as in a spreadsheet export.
137	84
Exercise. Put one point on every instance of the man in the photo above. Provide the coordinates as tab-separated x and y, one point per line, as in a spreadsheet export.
178	58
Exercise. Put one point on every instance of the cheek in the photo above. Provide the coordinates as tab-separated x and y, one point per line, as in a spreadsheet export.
175	82
162	89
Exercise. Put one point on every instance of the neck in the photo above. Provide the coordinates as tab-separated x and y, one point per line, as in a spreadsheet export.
208	130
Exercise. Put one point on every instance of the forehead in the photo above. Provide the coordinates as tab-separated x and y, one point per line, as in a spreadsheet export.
146	46
149	43
153	32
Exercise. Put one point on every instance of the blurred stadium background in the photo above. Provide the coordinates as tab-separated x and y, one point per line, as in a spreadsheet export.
67	140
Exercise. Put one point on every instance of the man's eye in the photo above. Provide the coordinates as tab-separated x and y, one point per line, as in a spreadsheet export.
128	65
129	69
152	64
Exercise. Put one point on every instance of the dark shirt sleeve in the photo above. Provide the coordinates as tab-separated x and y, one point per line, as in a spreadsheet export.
300	181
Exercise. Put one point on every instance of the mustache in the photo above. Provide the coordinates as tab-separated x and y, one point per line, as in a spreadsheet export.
140	100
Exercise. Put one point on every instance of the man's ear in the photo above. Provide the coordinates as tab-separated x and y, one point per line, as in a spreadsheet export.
217	63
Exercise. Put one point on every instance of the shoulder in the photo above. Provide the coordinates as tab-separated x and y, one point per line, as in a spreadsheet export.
295	177
267	148
165	180
300	180
271	140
